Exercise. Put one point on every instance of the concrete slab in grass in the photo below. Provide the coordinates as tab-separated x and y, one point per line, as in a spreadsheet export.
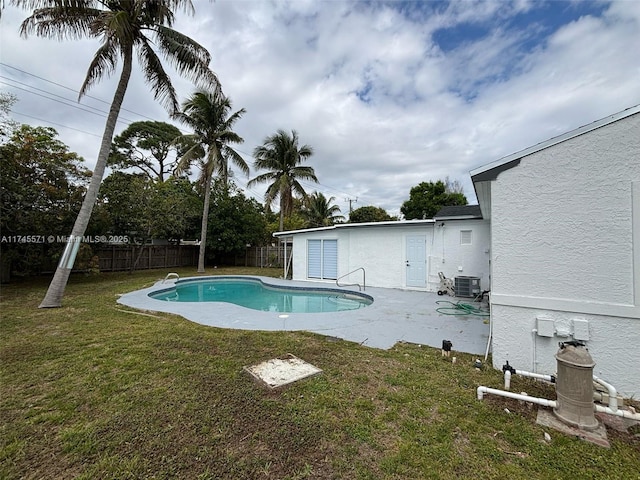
278	372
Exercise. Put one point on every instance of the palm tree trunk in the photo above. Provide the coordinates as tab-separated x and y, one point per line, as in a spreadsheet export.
54	295
205	223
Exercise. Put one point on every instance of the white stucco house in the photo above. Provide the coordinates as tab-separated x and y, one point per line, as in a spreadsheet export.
399	254
556	240
565	249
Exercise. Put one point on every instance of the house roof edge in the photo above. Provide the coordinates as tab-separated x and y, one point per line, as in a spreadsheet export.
491	170
394	223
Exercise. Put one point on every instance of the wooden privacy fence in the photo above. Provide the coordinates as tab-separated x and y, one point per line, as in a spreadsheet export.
123	257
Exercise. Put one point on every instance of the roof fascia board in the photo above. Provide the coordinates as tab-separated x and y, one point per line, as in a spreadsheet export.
459	217
394	224
305	230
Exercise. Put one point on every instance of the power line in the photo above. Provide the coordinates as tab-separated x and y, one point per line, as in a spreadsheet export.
98	113
123	120
102	113
53	123
120	119
71	89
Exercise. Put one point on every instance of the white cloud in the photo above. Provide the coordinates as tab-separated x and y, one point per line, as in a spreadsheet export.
370	87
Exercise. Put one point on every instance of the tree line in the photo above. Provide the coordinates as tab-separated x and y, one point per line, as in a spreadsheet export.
149	195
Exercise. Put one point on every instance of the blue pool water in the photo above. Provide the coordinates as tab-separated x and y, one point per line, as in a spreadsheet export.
254	294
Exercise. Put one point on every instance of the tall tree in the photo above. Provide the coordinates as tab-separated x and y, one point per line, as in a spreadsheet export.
235	221
147	146
281	155
427	198
370	213
135	206
123	27
41	188
208	114
319	211
7	125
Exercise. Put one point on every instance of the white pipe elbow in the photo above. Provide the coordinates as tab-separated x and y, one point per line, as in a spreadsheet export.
613	394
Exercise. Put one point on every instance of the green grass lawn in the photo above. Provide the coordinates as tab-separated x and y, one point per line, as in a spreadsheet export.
93	390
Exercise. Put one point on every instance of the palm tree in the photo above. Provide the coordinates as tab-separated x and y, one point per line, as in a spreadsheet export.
281	155
319	211
207	113
122	27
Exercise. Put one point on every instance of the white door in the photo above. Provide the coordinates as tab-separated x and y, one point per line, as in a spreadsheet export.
416	261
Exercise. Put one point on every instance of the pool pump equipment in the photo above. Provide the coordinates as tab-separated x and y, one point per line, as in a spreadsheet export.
574	386
575	391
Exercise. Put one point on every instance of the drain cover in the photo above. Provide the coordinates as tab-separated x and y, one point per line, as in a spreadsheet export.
282	371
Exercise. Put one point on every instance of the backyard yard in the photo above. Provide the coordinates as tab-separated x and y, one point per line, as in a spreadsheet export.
97	390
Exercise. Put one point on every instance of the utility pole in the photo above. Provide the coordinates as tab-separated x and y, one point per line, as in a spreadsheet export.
351	200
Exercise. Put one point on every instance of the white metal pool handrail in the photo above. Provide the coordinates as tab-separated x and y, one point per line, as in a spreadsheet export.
173	275
364	280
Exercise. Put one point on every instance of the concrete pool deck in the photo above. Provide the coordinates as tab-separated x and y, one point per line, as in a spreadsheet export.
395	315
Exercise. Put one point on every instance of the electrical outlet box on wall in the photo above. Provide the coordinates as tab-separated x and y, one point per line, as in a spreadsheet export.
546	326
580	329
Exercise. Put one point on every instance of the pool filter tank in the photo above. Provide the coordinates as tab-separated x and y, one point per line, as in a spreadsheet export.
574	386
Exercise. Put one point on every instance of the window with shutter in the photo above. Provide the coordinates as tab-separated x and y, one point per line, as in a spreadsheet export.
322	259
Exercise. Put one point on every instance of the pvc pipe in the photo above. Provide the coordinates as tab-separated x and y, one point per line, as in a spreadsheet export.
613	394
619	413
541	376
492	391
486	352
552	403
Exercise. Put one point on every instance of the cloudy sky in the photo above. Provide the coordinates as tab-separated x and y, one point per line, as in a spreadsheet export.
389	94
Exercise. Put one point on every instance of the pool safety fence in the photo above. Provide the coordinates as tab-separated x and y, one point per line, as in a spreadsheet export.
263	257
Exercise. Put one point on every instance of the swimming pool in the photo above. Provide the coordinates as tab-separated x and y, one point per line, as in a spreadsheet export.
256	295
395	315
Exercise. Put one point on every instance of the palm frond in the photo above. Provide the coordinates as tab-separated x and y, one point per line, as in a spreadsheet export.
207	113
103	64
263	178
187	56
155	74
237	159
60	21
193	153
304	172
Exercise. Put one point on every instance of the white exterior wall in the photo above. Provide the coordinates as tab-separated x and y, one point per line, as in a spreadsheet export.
382	252
448	256
566	244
